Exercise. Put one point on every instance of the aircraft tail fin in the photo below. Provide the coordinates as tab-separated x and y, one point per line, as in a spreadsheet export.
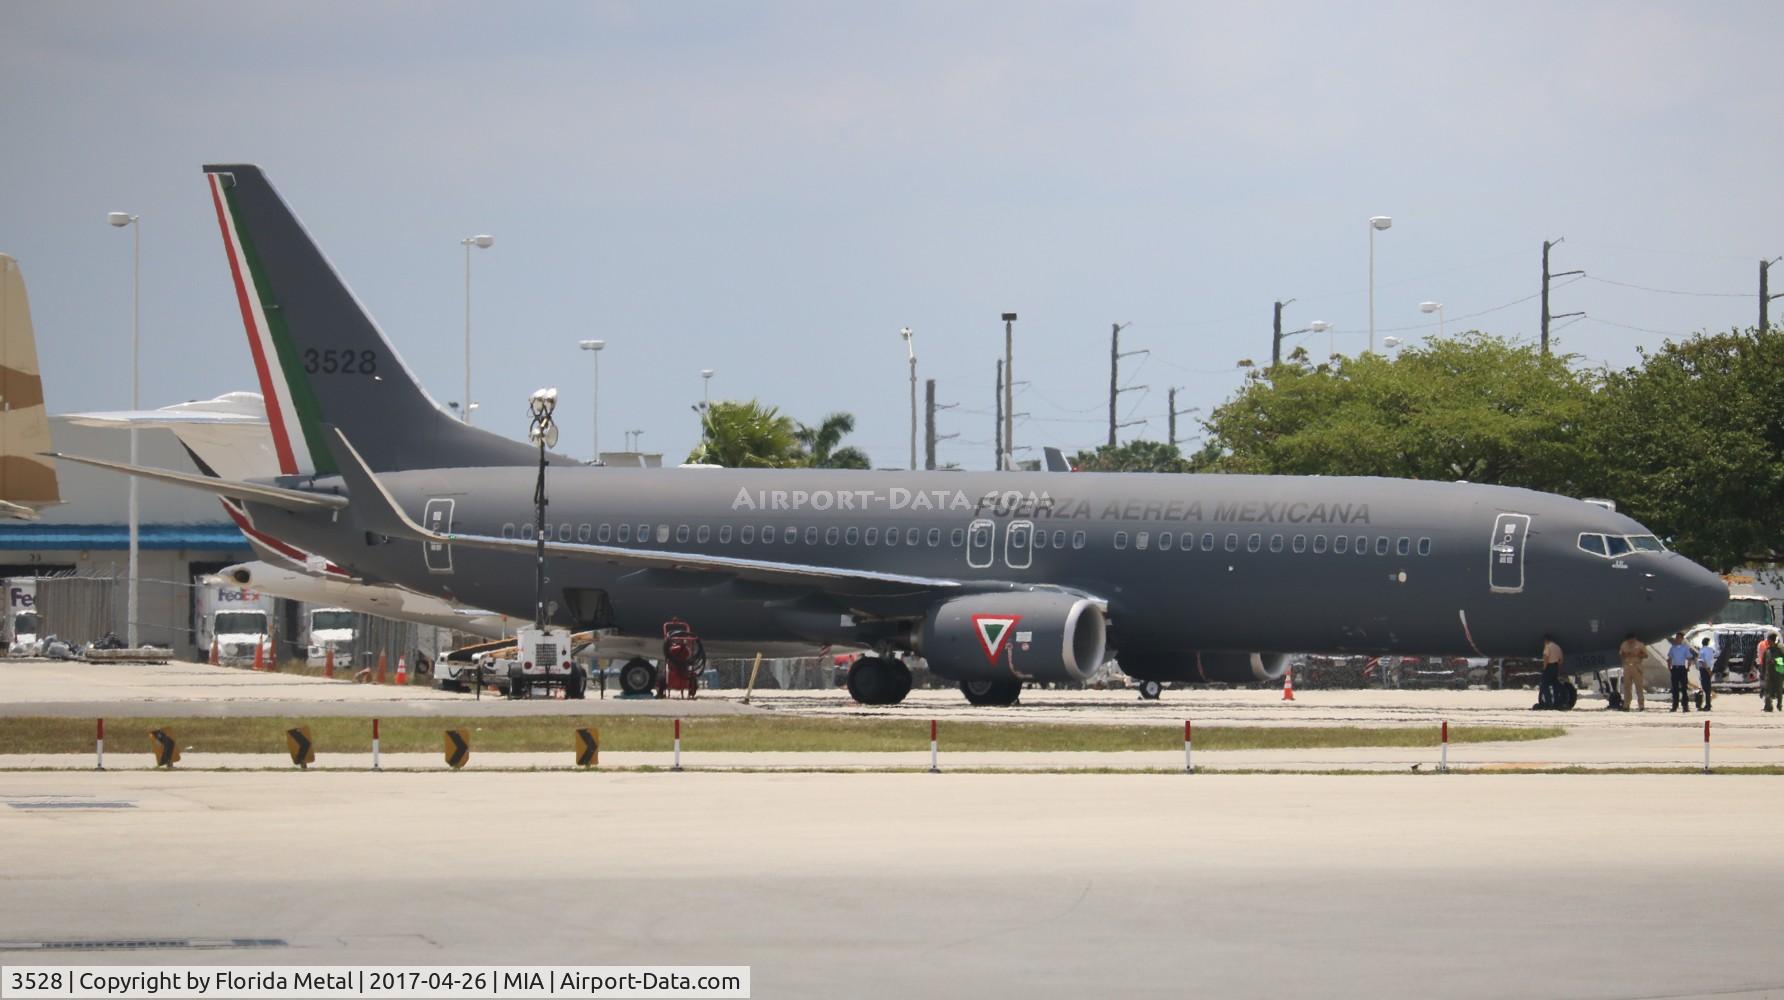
27	480
320	356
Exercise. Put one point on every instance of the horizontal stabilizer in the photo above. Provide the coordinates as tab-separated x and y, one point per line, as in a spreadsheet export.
276	496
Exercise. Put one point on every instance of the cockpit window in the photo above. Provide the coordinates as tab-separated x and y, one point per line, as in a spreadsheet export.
1593	544
1646	543
1617	545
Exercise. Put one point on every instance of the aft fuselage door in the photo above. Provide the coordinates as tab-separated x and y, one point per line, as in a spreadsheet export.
437	516
1018	542
1505	571
981	538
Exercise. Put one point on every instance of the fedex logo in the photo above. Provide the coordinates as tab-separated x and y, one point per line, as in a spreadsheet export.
22	598
242	596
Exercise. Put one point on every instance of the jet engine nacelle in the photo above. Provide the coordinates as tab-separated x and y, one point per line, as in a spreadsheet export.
1243	668
1033	635
1219	666
241	575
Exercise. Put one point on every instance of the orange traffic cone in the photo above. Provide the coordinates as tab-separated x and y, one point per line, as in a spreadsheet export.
402	670
216	653
328	663
1288	685
381	662
259	662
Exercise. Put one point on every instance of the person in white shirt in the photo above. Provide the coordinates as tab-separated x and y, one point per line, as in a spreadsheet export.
1706	667
1678	663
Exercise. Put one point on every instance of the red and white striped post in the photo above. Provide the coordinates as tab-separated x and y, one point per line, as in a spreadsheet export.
677	766
1189	766
99	746
375	766
934	759
1706	746
1443	761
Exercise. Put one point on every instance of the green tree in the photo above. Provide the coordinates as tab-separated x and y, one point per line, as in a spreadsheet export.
821	444
1474	407
747	436
1134	456
1695	442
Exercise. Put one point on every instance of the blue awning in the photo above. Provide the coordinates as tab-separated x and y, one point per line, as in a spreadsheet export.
29	536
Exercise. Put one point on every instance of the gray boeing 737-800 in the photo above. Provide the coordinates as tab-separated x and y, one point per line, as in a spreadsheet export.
994	578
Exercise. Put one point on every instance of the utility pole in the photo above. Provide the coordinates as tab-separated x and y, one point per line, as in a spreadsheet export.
1546	246
1276	335
1765	296
1000	417
930	436
1115	389
1171	396
1007	446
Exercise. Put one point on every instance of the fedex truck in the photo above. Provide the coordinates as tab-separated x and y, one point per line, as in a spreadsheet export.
236	618
21	622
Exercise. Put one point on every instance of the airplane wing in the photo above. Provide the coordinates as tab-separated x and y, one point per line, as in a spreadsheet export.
374	505
276	496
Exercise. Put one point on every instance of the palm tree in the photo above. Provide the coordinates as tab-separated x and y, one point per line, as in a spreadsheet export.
747	436
820	444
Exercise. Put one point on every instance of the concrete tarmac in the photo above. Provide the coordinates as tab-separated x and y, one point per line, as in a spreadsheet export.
927	885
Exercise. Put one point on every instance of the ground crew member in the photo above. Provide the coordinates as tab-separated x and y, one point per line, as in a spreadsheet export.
1772	667
1706	667
1633	653
1550	694
1678	660
1762	662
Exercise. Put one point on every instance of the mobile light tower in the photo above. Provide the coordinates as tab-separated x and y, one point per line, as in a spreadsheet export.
594	348
482	242
120	220
1435	307
542	431
1376	222
912	351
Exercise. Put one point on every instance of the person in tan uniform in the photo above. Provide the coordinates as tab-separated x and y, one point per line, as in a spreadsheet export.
1633	653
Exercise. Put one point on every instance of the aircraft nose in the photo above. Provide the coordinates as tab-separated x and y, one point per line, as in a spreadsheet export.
1697	592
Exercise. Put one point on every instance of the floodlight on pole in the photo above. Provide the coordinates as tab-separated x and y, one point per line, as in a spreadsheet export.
542	431
1376	222
119	220
1390	342
594	347
482	241
1434	307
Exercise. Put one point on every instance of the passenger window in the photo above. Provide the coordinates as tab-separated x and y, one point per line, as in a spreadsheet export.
725	534
643	533
1254	543
662	533
566	532
1617	545
1040	540
811	535
625	533
935	537
957	537
1165	539
1121	539
1403	546
604	533
508	530
831	535
913	537
1208	541
747	534
1232	542
1141	538
1381	545
1059	539
1275	543
891	536
872	537
1188	541
1341	544
1424	546
1300	544
1319	544
681	533
1078	539
1362	545
852	536
704	534
583	532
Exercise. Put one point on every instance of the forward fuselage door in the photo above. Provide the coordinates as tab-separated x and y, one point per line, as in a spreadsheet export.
981	542
1018	544
1505	571
437	516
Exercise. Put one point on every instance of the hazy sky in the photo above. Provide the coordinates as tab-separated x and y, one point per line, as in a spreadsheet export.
773	189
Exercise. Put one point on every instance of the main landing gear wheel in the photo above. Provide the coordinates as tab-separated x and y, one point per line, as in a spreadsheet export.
875	680
1151	690
992	692
637	676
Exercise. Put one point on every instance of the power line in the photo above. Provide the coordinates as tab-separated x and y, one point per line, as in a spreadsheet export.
1667	291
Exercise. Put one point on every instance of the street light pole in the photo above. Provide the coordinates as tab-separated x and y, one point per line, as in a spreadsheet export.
594	347
912	351
1321	326
482	241
1375	222
121	219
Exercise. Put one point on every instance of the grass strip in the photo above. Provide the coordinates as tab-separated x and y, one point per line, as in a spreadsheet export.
517	734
